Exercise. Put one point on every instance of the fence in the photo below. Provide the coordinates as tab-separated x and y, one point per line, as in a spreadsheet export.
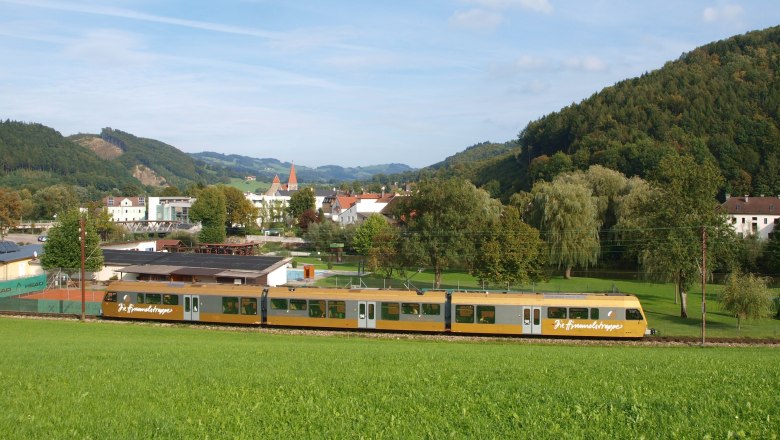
53	292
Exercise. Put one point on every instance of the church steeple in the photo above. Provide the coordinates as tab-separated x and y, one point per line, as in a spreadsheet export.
292	182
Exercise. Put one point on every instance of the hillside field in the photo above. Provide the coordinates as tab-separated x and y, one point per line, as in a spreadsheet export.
68	379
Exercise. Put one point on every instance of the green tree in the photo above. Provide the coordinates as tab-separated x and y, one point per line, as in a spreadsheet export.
667	224
746	296
509	252
363	240
300	201
567	215
209	210
10	210
62	249
238	209
442	219
54	199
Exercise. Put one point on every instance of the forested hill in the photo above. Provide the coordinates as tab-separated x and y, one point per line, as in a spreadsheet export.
267	168
151	161
719	102
35	156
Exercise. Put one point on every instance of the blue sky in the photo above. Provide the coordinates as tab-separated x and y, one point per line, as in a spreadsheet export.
336	82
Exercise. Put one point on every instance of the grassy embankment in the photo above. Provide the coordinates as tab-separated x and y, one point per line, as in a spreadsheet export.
658	299
66	379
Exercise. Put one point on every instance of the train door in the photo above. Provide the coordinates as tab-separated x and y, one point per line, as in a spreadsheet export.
366	314
532	320
191	307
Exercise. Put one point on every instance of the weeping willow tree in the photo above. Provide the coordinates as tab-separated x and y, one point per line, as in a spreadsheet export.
567	215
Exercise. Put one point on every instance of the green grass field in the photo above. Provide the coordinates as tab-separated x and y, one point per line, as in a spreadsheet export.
66	379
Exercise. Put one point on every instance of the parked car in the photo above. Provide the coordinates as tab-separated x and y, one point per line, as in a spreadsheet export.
43	237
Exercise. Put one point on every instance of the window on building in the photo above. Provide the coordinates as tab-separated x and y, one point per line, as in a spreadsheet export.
141	201
110	201
765	219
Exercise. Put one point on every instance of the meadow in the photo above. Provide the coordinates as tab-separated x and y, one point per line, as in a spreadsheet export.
68	379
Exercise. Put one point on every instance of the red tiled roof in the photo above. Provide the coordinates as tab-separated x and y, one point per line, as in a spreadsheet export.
752	205
293	178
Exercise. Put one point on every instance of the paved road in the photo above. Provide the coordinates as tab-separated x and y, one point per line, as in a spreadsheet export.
22	238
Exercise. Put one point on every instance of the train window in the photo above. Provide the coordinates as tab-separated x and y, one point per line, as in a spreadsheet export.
556	312
171	300
390	311
230	305
249	306
110	297
537	316
578	313
337	309
464	314
431	309
279	304
594	313
297	304
410	308
317	308
153	298
140	298
486	314
633	315
526	316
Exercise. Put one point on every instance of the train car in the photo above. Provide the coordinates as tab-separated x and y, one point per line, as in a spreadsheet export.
357	308
218	303
572	315
534	314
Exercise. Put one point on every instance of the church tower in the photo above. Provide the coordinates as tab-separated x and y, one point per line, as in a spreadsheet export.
292	182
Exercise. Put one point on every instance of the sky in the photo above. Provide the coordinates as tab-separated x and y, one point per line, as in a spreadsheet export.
349	83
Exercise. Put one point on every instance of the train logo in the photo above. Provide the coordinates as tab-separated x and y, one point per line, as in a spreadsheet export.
595	325
131	308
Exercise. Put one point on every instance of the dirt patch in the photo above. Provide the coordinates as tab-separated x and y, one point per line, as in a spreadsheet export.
100	147
147	176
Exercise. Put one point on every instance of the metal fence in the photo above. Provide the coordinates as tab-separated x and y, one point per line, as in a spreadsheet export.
54	292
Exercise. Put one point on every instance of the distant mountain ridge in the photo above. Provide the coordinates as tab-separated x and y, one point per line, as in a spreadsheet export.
266	168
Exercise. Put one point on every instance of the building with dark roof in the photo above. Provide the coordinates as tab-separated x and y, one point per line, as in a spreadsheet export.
753	215
191	267
19	261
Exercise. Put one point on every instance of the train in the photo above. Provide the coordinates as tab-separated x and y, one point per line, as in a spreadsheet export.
593	315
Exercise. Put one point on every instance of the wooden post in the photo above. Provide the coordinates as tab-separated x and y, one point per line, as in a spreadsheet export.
703	284
83	292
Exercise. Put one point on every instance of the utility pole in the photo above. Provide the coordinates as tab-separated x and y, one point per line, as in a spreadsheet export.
83	292
703	284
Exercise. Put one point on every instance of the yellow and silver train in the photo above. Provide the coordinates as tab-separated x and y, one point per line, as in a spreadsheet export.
497	313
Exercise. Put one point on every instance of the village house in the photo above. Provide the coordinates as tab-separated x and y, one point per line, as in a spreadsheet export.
753	215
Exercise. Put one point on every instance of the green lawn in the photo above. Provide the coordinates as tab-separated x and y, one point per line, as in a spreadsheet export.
248	186
66	379
658	299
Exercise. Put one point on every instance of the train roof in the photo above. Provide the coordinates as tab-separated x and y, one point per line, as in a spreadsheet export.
362	294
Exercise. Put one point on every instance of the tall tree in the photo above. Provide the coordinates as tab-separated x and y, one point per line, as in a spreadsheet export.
442	219
669	220
300	201
567	215
55	199
746	296
10	210
238	209
62	249
209	210
363	240
509	252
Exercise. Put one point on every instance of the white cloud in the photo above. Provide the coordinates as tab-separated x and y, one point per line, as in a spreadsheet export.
531	5
108	47
478	19
724	13
530	62
587	63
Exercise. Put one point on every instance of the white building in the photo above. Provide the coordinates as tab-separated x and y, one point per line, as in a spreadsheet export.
753	215
126	209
